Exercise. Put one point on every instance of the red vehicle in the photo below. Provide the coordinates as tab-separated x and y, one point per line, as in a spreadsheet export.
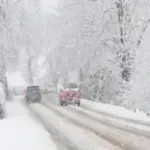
70	95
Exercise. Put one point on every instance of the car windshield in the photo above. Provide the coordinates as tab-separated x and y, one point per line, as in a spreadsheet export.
72	86
33	89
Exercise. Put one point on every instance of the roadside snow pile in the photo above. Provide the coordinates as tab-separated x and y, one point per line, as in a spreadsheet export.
117	111
15	108
19	97
22	133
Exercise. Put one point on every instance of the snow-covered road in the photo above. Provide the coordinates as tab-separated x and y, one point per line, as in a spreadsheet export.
73	136
70	128
116	123
124	139
111	111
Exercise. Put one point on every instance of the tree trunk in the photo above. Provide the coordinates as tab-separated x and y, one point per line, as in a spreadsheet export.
3	79
30	71
6	89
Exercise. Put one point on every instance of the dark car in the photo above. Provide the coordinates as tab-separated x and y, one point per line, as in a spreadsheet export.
33	94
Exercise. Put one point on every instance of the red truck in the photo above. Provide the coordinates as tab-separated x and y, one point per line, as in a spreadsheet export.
70	95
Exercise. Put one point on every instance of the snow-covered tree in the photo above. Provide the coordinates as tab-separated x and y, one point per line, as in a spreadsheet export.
102	38
8	49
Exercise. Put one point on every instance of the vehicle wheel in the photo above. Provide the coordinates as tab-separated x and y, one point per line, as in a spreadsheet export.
78	103
61	103
2	114
27	100
40	98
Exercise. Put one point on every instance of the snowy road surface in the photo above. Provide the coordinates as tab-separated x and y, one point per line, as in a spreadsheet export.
118	137
108	110
121	122
117	123
75	136
69	128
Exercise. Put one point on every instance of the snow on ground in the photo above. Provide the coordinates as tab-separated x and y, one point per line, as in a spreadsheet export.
14	108
19	131
117	111
22	133
83	138
114	135
114	122
112	110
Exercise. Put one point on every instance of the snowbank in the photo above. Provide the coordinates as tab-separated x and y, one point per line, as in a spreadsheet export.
19	97
22	133
116	111
15	108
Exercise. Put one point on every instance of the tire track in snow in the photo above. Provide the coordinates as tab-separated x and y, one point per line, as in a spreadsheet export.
75	137
108	114
48	128
126	141
108	121
59	139
135	126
